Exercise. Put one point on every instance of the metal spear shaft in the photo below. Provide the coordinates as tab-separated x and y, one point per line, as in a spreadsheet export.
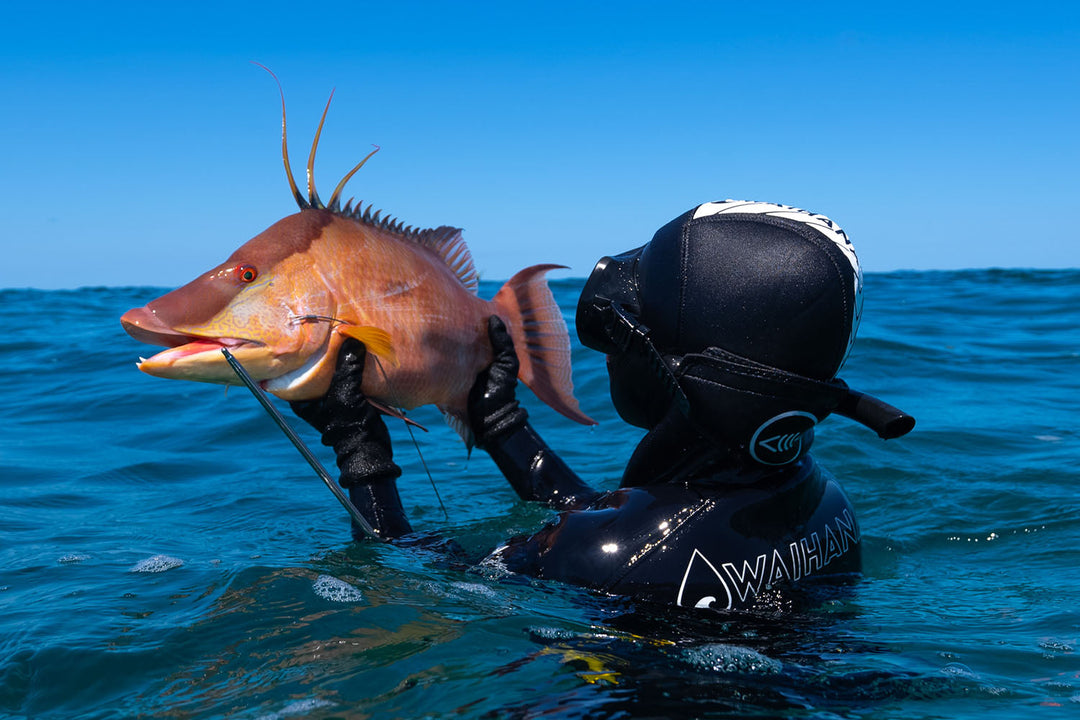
313	461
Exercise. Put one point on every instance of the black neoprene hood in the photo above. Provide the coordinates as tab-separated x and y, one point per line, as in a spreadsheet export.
763	287
742	313
767	288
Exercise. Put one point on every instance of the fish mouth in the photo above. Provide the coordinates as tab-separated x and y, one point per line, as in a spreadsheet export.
143	325
196	346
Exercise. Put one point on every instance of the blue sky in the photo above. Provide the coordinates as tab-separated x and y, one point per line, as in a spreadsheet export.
140	146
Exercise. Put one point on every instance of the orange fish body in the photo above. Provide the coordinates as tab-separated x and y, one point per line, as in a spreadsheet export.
285	300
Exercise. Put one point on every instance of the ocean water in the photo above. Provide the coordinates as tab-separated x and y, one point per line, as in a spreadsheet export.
165	553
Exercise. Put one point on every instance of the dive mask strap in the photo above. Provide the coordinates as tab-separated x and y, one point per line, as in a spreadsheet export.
884	419
630	335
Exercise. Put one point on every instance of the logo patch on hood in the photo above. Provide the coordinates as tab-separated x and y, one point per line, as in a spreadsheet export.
780	439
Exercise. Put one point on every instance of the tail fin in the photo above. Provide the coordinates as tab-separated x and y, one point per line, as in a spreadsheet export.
541	340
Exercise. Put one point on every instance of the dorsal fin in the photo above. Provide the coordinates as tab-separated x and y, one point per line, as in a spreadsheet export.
448	244
444	241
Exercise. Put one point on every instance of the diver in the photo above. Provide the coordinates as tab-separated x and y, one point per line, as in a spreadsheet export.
723	337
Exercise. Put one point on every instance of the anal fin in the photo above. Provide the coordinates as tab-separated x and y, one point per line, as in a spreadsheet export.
458	421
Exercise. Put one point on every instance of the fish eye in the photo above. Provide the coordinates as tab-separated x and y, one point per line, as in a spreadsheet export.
246	273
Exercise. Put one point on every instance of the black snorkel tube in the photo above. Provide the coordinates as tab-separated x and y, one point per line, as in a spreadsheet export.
887	421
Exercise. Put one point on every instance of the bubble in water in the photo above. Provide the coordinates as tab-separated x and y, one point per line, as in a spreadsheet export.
732	658
335	590
156	564
960	670
1055	646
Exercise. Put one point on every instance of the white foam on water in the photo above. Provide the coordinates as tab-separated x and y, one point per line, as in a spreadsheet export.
493	566
335	590
475	588
156	564
73	558
299	707
552	633
733	659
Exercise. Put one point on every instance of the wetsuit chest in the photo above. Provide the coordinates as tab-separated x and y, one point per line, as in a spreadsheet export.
698	544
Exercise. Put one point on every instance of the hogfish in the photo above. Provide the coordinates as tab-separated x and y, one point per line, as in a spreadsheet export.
285	300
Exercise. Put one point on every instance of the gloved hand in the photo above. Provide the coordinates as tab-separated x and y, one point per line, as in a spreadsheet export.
501	428
494	411
355	430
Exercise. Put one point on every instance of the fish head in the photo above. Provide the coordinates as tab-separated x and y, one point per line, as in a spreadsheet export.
267	303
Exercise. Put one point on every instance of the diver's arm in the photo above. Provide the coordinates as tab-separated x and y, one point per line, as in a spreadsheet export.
501	428
535	471
355	430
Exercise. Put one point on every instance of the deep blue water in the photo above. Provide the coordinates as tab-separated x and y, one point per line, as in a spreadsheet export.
164	552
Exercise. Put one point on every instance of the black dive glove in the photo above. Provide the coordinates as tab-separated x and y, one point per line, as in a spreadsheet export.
494	411
355	430
501	428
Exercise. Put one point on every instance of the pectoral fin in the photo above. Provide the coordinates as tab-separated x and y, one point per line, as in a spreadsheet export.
376	340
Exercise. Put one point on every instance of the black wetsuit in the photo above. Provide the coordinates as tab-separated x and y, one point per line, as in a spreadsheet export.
709	534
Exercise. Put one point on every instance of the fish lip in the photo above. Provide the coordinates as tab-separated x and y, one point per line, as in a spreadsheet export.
145	326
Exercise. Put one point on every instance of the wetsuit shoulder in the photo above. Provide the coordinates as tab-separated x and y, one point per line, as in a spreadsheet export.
698	544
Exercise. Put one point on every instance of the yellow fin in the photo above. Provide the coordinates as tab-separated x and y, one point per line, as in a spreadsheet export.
376	341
